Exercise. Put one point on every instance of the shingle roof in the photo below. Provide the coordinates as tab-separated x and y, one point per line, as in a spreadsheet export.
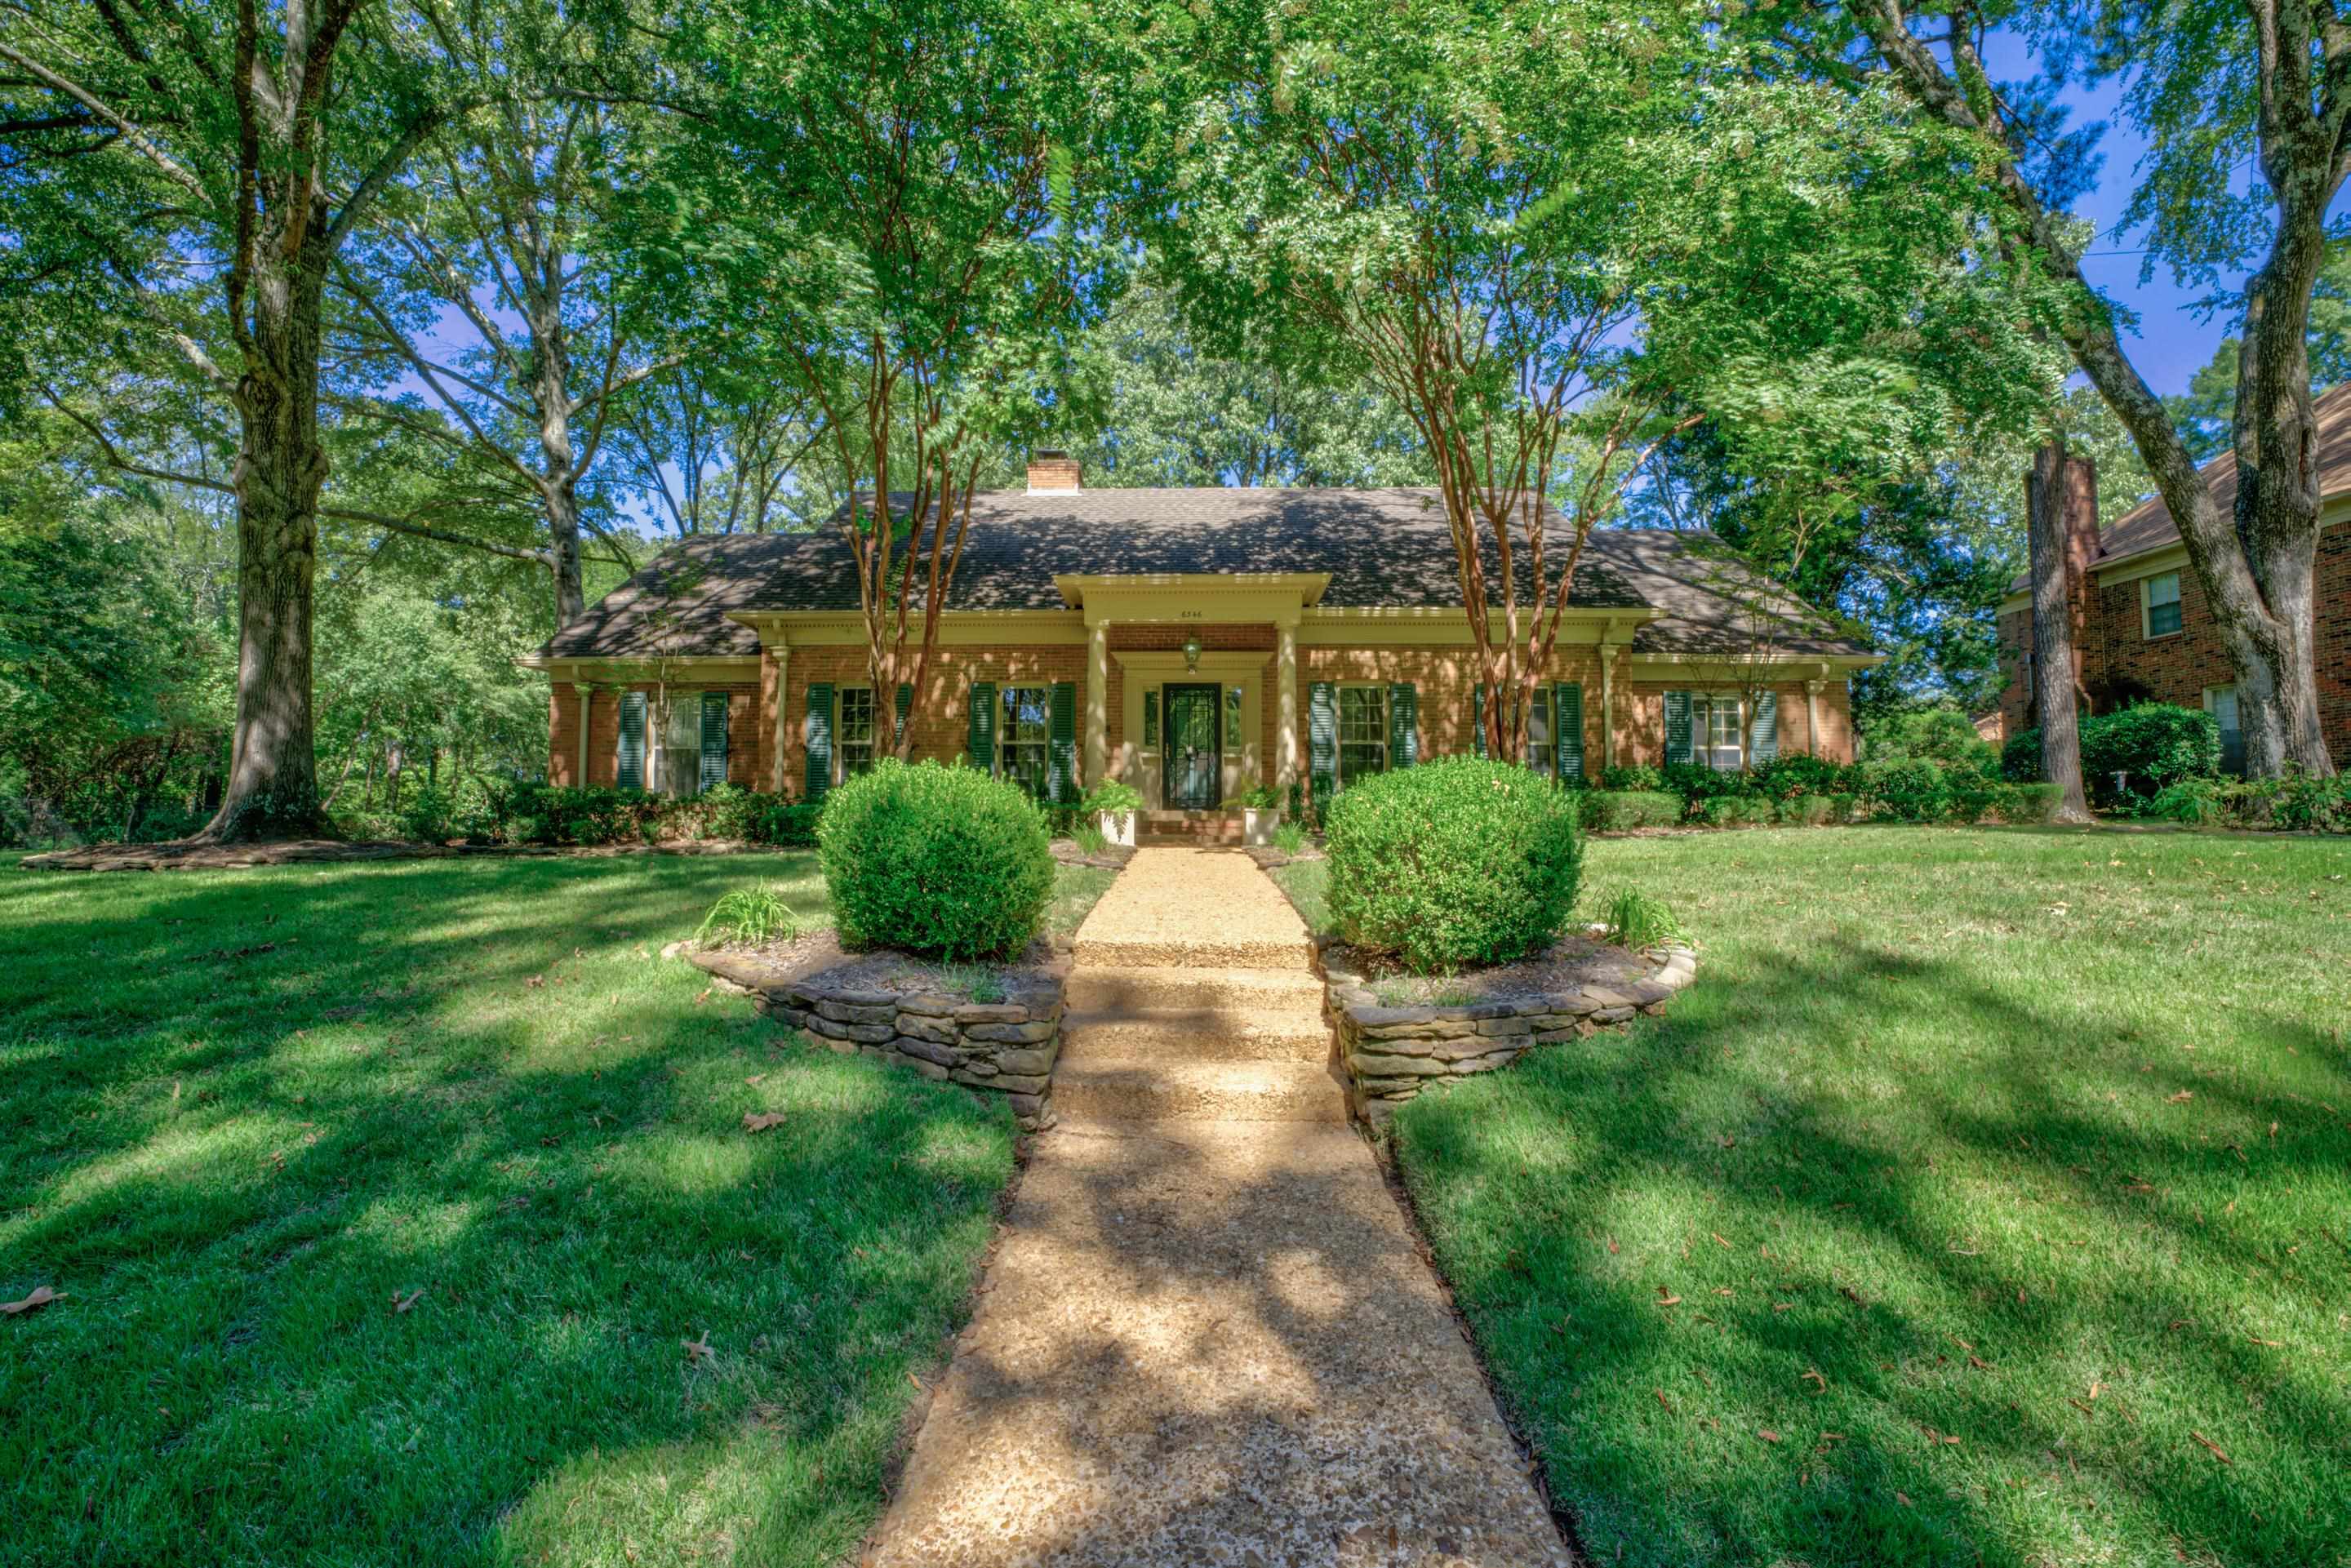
2148	525
1382	548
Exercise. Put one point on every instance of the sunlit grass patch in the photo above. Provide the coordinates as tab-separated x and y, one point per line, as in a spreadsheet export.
250	1115
1981	1188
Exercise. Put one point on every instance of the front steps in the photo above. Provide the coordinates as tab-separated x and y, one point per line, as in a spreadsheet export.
1199	829
1193	999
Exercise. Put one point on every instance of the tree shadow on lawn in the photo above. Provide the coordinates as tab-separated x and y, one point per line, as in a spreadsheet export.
236	1141
1981	1280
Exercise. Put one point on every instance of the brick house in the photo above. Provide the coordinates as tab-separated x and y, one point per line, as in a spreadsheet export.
2141	630
1199	643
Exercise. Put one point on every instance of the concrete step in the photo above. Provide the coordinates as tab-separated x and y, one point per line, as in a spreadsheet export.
1119	989
1209	1091
1205	951
1221	1033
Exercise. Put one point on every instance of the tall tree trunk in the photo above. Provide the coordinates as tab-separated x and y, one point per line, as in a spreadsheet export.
273	779
2046	493
559	477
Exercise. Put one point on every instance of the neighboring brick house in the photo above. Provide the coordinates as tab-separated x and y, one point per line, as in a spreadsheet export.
2142	632
1199	643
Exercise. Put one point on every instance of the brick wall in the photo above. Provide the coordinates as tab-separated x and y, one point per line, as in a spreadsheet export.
942	715
2119	659
1641	720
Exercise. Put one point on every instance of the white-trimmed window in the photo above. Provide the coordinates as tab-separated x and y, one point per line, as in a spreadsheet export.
2159	603
1024	733
852	731
1717	731
2220	702
1362	733
1542	751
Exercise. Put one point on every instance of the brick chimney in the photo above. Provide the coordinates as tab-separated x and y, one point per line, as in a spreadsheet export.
1053	473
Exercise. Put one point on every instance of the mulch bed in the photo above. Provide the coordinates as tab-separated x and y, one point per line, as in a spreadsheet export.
1568	965
820	952
290	851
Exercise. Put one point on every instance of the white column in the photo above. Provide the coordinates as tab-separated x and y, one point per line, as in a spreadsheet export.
776	723
587	711
1097	704
1607	707
1285	735
1812	717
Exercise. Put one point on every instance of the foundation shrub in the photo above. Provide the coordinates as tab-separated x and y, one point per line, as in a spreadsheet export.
948	863
1458	862
1614	811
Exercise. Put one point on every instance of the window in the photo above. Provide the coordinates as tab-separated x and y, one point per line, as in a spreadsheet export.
1150	718
2163	604
1022	737
852	733
1716	735
2220	702
1543	753
1232	721
1362	733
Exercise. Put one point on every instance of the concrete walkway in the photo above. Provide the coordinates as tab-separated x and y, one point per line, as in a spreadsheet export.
1206	1338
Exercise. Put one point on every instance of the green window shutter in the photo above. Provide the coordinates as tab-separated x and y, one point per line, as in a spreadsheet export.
1323	740
1678	726
714	739
632	771
1567	730
1403	727
1478	719
1062	753
1765	745
906	704
819	739
983	725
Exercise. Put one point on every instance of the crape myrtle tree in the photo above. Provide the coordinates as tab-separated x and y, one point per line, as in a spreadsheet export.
899	211
187	173
1557	236
2246	108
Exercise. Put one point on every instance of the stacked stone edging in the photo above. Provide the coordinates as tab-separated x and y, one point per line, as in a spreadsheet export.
1392	1053
1008	1047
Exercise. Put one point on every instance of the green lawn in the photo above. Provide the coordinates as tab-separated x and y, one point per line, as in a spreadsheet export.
245	1111
1982	1169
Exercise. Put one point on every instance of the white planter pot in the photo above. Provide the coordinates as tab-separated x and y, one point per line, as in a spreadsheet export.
1118	827
1257	826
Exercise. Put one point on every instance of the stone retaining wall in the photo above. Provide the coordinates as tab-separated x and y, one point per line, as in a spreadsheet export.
1392	1053
1007	1047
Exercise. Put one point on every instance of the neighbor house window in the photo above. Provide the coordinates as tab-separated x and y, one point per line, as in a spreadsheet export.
1542	751
1716	733
1023	735
1362	733
2163	604
2220	702
853	730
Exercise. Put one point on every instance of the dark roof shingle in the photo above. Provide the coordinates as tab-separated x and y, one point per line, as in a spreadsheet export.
1382	548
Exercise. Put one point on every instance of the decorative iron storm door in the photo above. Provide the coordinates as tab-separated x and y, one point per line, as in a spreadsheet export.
1191	748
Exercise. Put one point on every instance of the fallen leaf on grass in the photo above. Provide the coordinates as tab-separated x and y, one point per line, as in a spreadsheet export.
759	1121
1718	1241
1902	1497
41	1297
2216	1449
1612	1244
754	1078
1768	1435
1662	1399
1665	1301
2181	1098
703	997
1814	1375
698	1349
401	1303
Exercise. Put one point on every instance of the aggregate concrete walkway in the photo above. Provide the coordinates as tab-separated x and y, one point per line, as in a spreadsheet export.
1206	1338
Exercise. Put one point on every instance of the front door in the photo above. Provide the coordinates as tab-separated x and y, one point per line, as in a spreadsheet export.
1190	748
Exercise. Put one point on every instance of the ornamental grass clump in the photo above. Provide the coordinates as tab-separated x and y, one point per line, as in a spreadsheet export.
1458	861
753	915
946	862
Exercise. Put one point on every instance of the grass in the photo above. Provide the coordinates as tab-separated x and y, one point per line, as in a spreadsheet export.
1992	1173
248	1113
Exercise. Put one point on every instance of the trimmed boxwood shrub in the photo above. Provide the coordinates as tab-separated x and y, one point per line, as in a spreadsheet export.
1460	860
947	863
1613	811
1737	810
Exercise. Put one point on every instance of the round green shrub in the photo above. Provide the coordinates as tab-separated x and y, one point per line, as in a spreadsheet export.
1456	862
946	862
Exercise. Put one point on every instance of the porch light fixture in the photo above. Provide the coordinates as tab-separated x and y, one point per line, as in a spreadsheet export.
1191	652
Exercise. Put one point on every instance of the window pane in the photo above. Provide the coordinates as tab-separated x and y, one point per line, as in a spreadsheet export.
1150	718
1539	755
853	730
1232	720
2163	604
1362	732
1027	726
1716	720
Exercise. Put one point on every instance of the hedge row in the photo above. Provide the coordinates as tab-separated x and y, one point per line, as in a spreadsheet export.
492	812
1912	797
